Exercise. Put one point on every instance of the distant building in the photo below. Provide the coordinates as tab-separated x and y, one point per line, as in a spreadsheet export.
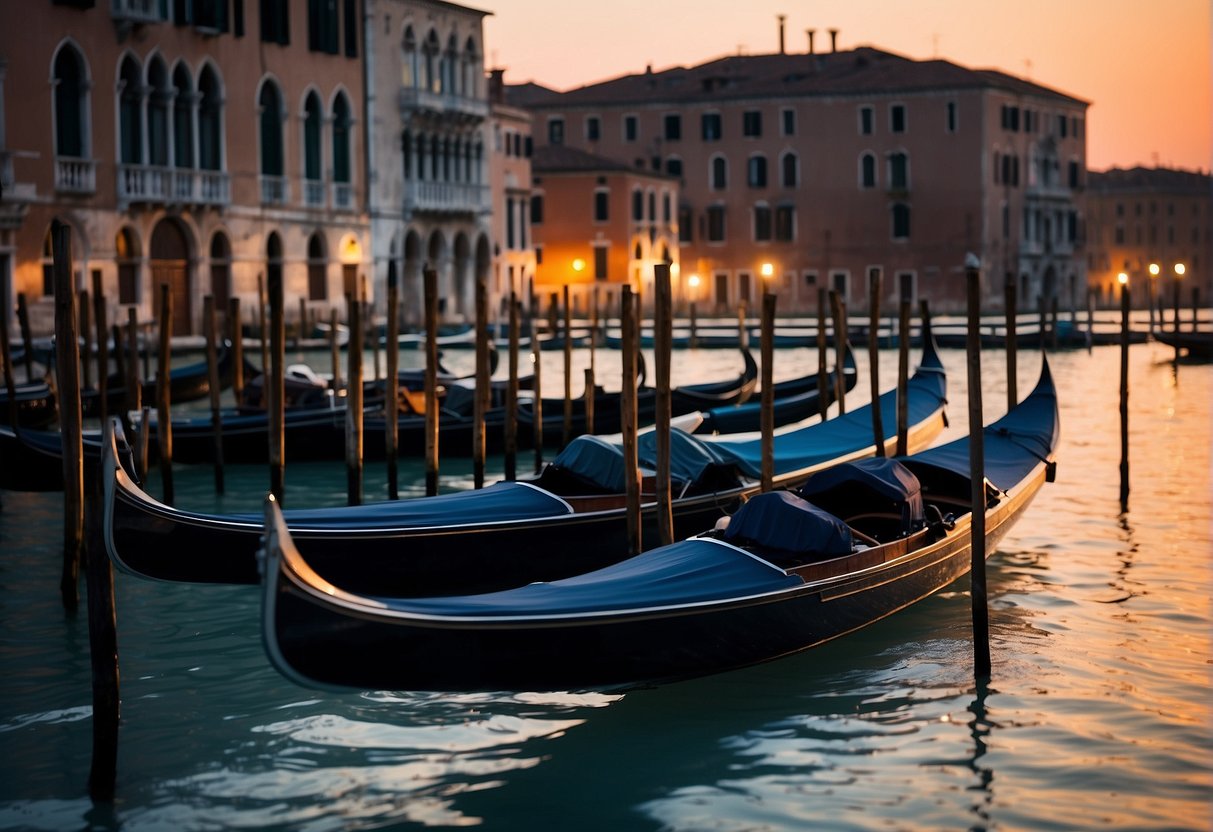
200	145
600	224
1150	215
510	187
827	166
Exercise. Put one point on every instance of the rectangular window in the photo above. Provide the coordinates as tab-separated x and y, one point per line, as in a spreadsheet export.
600	262
1062	124
128	283
593	128
905	286
788	121
751	123
711	127
716	224
810	278
762	224
686	226
275	22
785	223
867	121
743	287
602	210
350	22
538	255
722	288
950	123
673	127
631	128
840	282
317	281
897	118
1074	174
555	131
536	209
673	166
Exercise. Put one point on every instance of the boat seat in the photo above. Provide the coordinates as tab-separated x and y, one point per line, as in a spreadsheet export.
787	530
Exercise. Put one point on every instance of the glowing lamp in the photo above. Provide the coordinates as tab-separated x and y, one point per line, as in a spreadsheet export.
1154	270
693	280
1123	278
578	265
1180	269
767	270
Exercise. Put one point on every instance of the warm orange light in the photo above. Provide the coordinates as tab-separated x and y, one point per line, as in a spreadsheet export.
578	265
768	270
1154	270
1180	269
1123	278
693	280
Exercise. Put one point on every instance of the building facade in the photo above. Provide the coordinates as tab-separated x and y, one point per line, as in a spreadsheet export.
600	224
510	188
826	166
202	145
1144	216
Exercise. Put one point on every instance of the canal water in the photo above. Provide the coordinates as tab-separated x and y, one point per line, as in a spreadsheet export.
1097	715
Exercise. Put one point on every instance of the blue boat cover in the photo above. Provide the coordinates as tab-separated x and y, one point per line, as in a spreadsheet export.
688	572
689	456
877	478
1013	445
595	460
782	522
822	442
498	503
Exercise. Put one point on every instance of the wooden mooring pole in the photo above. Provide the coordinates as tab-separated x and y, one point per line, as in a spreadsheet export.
164	412
391	403
274	380
134	390
430	280
981	612
101	321
511	395
903	375
262	334
841	341
27	337
103	653
874	289
86	340
480	404
67	371
568	369
824	392
767	426
353	408
212	369
537	385
663	325
1011	303
628	346
235	334
1125	300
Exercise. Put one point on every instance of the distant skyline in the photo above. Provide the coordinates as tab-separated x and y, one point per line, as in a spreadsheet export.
1146	68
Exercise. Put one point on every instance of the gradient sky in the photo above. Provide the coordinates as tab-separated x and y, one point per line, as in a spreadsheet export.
1145	66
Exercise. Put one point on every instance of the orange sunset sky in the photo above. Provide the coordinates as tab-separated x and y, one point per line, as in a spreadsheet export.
1146	67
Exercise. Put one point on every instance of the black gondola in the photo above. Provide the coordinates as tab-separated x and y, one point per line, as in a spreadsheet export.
32	460
36	406
783	575
1197	345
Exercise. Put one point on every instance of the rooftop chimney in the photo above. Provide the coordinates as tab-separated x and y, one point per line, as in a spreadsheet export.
810	33
833	40
782	18
497	86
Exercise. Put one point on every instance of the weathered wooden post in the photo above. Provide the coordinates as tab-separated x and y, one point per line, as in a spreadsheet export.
537	387
236	336
27	337
335	349
824	394
568	370
511	395
369	331
67	370
743	334
694	327
353	409
767	346
663	315
430	280
479	405
981	613
212	369
100	319
134	388
391	404
874	281
103	656
589	400
903	374
841	341
261	329
86	331
274	380
1195	307
1012	302
164	413
628	347
1124	390
302	322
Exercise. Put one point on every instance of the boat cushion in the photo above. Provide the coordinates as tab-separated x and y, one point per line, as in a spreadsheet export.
781	524
690	458
866	486
594	460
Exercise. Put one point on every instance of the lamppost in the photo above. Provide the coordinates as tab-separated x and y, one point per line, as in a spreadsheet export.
1155	269
1179	269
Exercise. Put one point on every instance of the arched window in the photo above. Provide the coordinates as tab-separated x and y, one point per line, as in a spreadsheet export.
221	269
273	186
210	120
317	268
183	126
130	112
450	65
867	170
652	205
720	173
408	59
756	171
433	80
471	63
789	167
637	205
406	153
126	253
159	106
71	104
313	120
899	171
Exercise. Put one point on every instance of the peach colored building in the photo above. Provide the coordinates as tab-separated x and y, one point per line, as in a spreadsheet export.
198	144
600	224
827	166
1150	215
510	187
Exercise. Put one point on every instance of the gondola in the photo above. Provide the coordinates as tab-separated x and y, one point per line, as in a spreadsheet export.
785	573
690	397
1198	345
32	460
36	406
187	383
794	400
569	519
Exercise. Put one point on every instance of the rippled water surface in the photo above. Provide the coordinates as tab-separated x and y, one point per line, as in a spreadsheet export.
1098	714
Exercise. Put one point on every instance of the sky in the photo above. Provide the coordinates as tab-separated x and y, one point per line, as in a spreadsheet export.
1146	66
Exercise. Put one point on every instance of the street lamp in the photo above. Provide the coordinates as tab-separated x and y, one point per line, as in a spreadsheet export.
1179	269
767	270
1154	270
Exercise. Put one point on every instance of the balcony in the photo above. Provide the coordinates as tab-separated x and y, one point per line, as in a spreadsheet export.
137	11
154	185
75	176
313	193
415	101
446	198
343	196
274	190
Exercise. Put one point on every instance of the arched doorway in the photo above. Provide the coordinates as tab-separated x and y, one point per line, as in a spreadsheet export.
170	264
459	277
